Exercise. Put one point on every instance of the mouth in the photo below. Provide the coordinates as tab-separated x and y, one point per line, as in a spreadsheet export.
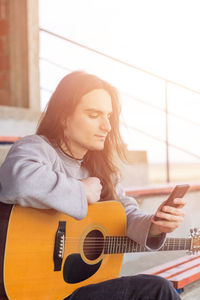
101	137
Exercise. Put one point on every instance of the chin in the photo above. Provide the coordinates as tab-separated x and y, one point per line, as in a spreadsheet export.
97	147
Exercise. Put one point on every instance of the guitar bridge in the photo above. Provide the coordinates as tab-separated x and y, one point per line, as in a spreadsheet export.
59	245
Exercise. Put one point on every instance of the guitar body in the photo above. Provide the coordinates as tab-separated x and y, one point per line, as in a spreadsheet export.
29	268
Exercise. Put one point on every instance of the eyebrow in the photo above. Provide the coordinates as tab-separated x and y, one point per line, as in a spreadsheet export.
96	110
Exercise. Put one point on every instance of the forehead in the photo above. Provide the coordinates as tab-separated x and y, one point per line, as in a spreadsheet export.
98	99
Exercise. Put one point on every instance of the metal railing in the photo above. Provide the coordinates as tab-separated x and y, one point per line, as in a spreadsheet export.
166	83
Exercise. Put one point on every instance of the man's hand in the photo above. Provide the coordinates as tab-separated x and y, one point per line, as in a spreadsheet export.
93	189
169	218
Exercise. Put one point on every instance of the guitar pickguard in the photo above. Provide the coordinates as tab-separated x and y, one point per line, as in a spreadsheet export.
76	270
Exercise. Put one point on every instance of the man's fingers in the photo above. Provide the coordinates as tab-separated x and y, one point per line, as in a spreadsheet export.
170	217
172	210
166	226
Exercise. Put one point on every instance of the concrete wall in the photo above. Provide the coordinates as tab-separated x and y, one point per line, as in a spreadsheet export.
4	54
135	172
19	54
17	122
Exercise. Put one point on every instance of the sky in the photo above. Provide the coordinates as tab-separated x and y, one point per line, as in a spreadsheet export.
161	37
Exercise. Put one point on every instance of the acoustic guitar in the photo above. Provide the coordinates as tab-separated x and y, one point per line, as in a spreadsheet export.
46	255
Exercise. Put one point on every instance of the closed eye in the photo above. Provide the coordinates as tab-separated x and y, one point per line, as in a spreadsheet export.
93	115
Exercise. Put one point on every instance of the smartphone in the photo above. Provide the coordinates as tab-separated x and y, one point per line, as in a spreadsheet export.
178	192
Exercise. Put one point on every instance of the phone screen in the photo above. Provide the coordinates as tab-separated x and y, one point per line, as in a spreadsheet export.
178	192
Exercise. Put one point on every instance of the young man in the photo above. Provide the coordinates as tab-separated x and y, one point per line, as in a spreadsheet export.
69	164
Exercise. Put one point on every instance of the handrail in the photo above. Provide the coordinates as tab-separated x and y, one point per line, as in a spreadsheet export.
8	139
136	99
162	141
166	81
118	60
160	109
156	190
152	136
56	65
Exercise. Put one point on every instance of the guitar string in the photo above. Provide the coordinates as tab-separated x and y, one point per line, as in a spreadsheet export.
170	244
124	242
124	247
102	242
116	240
114	249
124	238
94	246
136	246
133	244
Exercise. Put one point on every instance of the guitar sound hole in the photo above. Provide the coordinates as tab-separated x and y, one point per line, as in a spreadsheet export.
93	245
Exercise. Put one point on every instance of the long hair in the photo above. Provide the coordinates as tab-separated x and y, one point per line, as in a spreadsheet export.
62	104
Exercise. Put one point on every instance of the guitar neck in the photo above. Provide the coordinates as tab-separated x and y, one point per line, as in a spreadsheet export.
123	244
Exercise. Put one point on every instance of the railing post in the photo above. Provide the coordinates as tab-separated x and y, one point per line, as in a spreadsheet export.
166	132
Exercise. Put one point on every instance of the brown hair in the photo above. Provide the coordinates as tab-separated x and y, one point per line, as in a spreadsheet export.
62	104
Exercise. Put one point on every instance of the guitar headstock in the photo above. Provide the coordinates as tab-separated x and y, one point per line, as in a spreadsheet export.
195	240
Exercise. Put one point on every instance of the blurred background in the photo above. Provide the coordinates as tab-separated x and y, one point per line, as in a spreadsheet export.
149	50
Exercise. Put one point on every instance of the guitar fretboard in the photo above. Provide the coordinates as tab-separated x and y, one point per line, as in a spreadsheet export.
123	244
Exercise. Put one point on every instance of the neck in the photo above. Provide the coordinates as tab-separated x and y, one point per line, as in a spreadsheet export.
119	244
66	149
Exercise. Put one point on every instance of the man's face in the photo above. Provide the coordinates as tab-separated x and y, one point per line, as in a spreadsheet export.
89	125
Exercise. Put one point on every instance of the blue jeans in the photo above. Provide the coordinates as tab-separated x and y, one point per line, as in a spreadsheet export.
139	287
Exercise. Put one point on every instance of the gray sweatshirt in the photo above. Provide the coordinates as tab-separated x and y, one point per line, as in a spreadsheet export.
37	175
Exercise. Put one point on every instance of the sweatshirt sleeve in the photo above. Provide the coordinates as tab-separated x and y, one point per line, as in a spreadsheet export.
28	178
138	222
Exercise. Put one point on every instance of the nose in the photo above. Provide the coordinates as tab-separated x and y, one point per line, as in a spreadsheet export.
105	125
